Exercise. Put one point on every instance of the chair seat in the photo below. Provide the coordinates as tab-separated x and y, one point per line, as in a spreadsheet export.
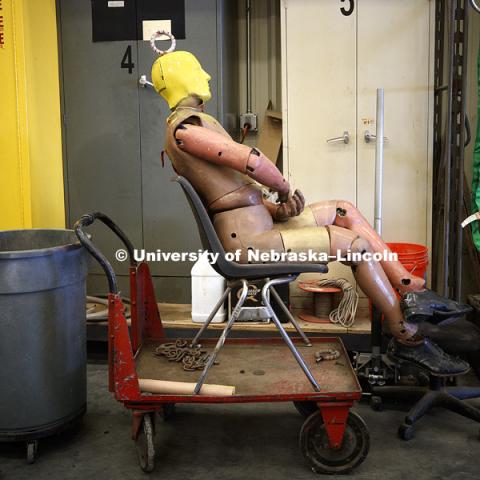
233	270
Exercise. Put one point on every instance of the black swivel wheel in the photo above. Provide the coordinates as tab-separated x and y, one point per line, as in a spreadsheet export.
406	432
376	403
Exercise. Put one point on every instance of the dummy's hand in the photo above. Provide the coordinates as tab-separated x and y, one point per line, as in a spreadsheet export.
291	207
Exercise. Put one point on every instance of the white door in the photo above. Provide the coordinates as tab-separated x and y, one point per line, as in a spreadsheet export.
319	102
320	93
394	54
335	54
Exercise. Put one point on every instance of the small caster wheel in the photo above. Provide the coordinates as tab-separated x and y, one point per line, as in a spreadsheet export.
321	457
144	444
406	432
376	403
168	411
32	447
306	408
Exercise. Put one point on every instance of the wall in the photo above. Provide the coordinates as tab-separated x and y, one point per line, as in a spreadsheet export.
266	53
30	135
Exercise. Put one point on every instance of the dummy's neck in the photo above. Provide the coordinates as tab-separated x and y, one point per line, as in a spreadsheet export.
193	103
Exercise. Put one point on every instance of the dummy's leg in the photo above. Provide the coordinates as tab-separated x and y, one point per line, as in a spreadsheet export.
418	304
344	214
373	281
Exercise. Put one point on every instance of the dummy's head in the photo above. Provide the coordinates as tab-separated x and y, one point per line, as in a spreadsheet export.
179	75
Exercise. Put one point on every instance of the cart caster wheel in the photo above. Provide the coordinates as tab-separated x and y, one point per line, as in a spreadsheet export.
168	411
144	444
316	449
306	408
405	432
32	447
376	403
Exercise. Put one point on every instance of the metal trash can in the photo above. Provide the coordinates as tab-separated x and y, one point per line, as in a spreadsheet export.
42	334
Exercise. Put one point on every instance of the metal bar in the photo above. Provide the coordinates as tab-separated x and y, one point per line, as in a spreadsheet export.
284	334
210	317
461	74
248	16
448	153
437	137
223	337
379	144
290	317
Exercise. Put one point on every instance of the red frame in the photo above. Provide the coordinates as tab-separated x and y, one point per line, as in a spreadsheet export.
146	325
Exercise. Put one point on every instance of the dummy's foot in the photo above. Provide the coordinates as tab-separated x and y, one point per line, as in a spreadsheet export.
428	306
429	356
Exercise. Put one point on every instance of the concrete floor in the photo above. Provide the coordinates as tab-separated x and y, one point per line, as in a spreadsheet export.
239	442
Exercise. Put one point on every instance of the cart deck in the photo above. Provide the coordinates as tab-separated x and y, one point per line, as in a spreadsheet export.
260	368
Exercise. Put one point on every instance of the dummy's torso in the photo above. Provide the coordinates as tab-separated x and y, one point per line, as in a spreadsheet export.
221	188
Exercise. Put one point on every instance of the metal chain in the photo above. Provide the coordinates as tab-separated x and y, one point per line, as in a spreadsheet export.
192	358
329	354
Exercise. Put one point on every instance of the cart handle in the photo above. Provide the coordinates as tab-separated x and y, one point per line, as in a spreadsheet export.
85	221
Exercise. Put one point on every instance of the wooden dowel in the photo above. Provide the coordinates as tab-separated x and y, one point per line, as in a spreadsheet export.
183	388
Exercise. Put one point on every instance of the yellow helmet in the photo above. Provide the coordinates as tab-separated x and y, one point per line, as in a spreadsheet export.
178	75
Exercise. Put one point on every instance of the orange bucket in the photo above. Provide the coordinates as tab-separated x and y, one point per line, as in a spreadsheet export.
412	256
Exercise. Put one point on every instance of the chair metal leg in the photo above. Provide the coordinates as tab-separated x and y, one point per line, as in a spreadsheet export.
464	393
290	317
460	407
210	317
284	334
426	403
223	337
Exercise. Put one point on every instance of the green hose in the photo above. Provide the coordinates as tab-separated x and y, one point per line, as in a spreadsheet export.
476	167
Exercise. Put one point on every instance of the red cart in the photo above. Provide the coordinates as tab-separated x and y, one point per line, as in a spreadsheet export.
333	439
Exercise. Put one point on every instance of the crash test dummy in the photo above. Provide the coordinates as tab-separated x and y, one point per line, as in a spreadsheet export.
227	174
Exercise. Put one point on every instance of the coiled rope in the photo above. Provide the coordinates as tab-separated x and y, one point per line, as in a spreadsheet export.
344	314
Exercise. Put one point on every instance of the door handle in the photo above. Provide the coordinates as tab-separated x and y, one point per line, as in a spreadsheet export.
144	82
370	137
345	138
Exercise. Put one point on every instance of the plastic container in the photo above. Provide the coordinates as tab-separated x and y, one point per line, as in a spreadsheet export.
412	256
43	332
207	288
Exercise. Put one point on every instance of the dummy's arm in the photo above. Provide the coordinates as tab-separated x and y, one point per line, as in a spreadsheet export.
217	148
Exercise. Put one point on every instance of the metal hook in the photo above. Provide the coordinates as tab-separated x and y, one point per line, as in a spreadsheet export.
156	36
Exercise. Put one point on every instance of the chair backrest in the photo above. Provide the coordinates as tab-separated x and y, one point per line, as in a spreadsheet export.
208	235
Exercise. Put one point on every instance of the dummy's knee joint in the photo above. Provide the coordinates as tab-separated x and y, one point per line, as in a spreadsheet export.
359	245
341	212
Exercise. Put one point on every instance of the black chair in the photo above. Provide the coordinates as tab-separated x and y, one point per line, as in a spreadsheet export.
236	273
461	337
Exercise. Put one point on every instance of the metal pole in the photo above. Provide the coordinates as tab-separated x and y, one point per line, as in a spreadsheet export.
448	154
461	157
249	55
379	161
376	327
